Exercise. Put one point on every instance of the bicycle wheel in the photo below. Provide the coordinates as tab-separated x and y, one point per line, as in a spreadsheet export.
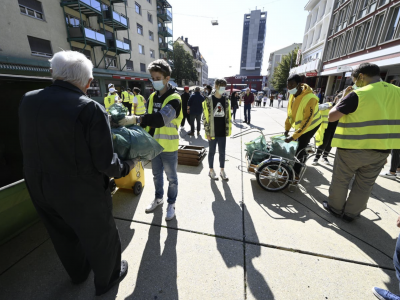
274	176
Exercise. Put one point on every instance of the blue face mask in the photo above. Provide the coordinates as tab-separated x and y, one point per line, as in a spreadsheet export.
158	84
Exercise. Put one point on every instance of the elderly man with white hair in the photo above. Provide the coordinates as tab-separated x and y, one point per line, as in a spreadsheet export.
68	158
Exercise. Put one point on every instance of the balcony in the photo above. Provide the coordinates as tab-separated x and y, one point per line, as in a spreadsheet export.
165	47
115	20
163	3
118	46
86	35
164	14
87	7
165	31
118	1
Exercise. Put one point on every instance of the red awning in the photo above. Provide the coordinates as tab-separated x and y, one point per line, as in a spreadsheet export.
130	78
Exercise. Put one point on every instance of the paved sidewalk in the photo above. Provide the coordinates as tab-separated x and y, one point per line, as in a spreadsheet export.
230	240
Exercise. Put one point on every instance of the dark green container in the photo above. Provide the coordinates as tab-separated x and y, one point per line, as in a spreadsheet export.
16	210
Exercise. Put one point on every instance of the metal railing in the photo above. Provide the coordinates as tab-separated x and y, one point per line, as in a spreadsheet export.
93	3
120	18
122	45
91	34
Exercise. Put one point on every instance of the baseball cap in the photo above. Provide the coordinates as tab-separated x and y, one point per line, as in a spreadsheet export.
186	88
110	85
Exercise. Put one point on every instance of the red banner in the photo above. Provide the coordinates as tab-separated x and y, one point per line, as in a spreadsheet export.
130	78
312	74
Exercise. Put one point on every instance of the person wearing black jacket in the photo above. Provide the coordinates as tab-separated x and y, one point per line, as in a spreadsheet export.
68	159
185	98
234	104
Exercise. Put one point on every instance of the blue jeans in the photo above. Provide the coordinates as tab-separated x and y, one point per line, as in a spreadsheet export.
247	109
221	141
168	162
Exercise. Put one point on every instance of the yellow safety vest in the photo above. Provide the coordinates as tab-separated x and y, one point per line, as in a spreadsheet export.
167	136
108	101
317	119
141	108
131	96
208	100
125	96
376	122
319	136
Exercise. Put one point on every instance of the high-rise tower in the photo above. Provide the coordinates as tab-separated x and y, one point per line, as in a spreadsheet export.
254	29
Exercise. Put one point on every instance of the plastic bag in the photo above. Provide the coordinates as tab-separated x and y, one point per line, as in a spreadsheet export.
117	112
259	144
134	142
280	148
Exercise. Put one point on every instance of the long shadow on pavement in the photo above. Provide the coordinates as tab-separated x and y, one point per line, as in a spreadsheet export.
223	206
157	275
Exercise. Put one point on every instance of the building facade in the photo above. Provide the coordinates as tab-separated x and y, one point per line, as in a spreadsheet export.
241	82
315	34
253	41
362	31
275	58
198	60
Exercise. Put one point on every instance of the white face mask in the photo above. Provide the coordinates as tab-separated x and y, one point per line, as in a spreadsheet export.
355	87
221	90
292	91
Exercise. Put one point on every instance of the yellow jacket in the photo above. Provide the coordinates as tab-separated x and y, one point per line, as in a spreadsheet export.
294	103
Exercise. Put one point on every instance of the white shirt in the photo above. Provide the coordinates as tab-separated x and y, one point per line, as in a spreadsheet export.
135	100
265	99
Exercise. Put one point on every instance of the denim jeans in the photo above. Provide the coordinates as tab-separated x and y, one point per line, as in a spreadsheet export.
247	109
192	119
168	162
221	141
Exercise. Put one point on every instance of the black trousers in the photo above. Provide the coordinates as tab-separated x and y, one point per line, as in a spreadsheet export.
196	118
326	143
185	116
128	106
271	102
82	229
303	141
395	163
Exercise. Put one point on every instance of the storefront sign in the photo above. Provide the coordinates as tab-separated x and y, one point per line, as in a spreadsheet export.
240	77
344	69
348	74
312	74
130	78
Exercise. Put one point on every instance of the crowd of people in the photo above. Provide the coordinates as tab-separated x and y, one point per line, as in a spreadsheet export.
70	170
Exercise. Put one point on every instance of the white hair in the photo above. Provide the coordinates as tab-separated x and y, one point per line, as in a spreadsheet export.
71	66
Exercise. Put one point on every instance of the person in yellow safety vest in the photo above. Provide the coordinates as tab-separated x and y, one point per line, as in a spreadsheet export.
217	125
164	114
125	101
368	129
303	115
108	100
324	135
130	97
139	103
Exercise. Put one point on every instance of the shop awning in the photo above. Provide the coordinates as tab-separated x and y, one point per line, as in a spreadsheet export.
19	67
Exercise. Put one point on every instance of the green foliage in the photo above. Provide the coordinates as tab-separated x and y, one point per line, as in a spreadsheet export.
281	72
183	66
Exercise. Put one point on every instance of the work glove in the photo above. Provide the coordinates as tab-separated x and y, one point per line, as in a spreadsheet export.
286	133
129	120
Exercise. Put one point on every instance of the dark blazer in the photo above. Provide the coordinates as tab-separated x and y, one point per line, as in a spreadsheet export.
196	103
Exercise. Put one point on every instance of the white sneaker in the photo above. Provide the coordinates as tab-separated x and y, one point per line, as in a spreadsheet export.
213	175
223	175
387	174
153	205
315	162
326	161
170	212
309	149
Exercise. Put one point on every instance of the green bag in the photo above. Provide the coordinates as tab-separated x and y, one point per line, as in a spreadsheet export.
280	148
259	144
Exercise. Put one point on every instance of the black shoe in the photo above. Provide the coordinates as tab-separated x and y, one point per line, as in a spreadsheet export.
329	209
122	274
191	133
348	219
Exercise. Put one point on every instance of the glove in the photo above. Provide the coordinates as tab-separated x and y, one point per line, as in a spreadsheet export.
286	133
132	163
129	120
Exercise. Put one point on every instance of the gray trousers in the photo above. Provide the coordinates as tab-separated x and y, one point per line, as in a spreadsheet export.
366	166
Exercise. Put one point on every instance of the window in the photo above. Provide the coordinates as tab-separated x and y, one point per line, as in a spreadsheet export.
342	19
361	46
152	53
111	62
377	24
142	68
141	49
160	40
72	21
149	1
345	43
363	9
372	6
382	2
129	65
126	41
150	17
85	52
138	8
40	47
151	35
31	8
393	24
354	10
356	38
139	29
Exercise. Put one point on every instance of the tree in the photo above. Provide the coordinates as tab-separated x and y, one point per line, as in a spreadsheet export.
281	72
183	67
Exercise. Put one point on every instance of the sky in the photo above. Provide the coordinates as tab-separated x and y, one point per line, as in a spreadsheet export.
221	45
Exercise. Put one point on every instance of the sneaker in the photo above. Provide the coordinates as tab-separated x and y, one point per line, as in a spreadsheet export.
223	175
388	175
122	274
382	294
153	205
170	212
326	161
309	149
315	162
213	175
